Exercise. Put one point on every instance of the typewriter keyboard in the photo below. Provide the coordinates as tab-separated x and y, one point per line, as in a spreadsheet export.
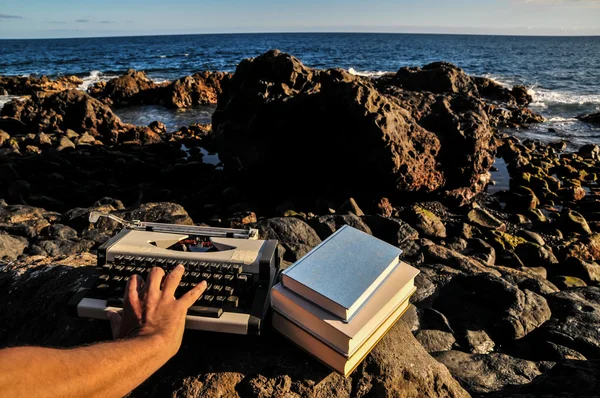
229	288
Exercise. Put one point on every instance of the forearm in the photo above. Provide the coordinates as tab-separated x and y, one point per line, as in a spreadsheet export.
105	369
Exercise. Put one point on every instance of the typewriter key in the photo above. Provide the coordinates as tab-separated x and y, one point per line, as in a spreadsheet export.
232	301
219	300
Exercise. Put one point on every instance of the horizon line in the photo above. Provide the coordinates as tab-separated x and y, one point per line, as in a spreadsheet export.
303	32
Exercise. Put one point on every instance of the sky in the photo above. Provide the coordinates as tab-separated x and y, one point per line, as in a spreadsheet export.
91	18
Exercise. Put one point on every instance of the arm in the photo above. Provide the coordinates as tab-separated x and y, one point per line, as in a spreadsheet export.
149	332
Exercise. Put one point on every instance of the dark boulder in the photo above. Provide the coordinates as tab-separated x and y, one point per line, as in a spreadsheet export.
134	87
437	77
485	373
201	88
296	236
28	85
486	302
326	225
575	321
275	109
590	118
69	109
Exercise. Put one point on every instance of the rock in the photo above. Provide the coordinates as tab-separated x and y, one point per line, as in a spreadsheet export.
478	342
484	251
438	77
69	109
274	99
489	303
28	85
199	89
591	118
350	206
385	207
392	230
467	265
481	374
296	237
86	139
435	340
430	318
531	237
11	247
589	272
65	143
399	366
411	318
504	241
42	140
134	87
326	225
534	255
426	222
483	219
238	220
568	282
63	247
526	278
59	231
572	221
575	321
557	352
163	212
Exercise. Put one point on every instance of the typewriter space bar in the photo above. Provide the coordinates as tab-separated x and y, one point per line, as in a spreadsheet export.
198	310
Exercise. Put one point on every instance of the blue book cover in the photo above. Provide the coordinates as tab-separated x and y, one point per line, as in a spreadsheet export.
341	273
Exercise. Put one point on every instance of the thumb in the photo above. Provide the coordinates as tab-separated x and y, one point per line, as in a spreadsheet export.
115	323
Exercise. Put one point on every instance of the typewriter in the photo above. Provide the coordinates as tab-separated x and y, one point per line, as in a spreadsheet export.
239	269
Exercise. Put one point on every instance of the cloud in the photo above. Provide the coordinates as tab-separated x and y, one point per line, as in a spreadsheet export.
106	22
5	16
129	22
57	22
82	20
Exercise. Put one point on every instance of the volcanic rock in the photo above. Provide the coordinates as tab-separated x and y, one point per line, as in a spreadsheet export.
274	100
489	303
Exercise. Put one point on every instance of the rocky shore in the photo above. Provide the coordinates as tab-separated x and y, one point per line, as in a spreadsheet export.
508	300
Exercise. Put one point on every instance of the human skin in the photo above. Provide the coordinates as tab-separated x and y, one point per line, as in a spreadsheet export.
148	333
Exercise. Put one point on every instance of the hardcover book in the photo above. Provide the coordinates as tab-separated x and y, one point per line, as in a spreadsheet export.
330	357
342	273
347	337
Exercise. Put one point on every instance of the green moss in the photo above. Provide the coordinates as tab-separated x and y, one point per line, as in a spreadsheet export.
507	241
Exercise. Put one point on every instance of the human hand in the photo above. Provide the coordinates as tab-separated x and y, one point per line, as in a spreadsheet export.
152	312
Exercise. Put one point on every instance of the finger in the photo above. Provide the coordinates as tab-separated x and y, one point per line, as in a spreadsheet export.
115	323
155	277
172	281
189	298
132	290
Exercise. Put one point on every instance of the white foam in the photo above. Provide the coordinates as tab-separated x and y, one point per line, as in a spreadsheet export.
94	77
543	97
186	55
366	73
162	56
6	98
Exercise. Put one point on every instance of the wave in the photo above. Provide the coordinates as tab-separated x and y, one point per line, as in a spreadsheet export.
162	56
544	97
95	76
6	98
355	72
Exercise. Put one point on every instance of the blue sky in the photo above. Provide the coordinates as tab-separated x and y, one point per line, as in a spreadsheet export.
83	18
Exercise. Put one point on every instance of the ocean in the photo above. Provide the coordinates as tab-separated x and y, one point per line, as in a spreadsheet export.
562	73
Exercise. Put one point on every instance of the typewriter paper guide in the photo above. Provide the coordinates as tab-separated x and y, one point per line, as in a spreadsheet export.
136	243
342	272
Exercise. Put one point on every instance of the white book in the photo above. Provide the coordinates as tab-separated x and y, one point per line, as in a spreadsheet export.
330	357
342	273
347	337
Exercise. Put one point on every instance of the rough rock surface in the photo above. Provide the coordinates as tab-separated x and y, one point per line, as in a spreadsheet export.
575	321
274	100
296	237
20	85
486	302
484	373
64	110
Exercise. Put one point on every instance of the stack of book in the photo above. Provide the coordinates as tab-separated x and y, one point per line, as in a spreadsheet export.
341	298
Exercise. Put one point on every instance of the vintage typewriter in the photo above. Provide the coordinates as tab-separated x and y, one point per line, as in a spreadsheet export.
239	269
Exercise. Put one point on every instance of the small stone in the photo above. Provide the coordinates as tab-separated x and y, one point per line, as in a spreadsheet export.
350	206
478	342
426	222
535	255
85	139
71	134
435	340
568	282
42	139
520	219
65	143
484	219
589	272
572	221
531	237
32	150
385	207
